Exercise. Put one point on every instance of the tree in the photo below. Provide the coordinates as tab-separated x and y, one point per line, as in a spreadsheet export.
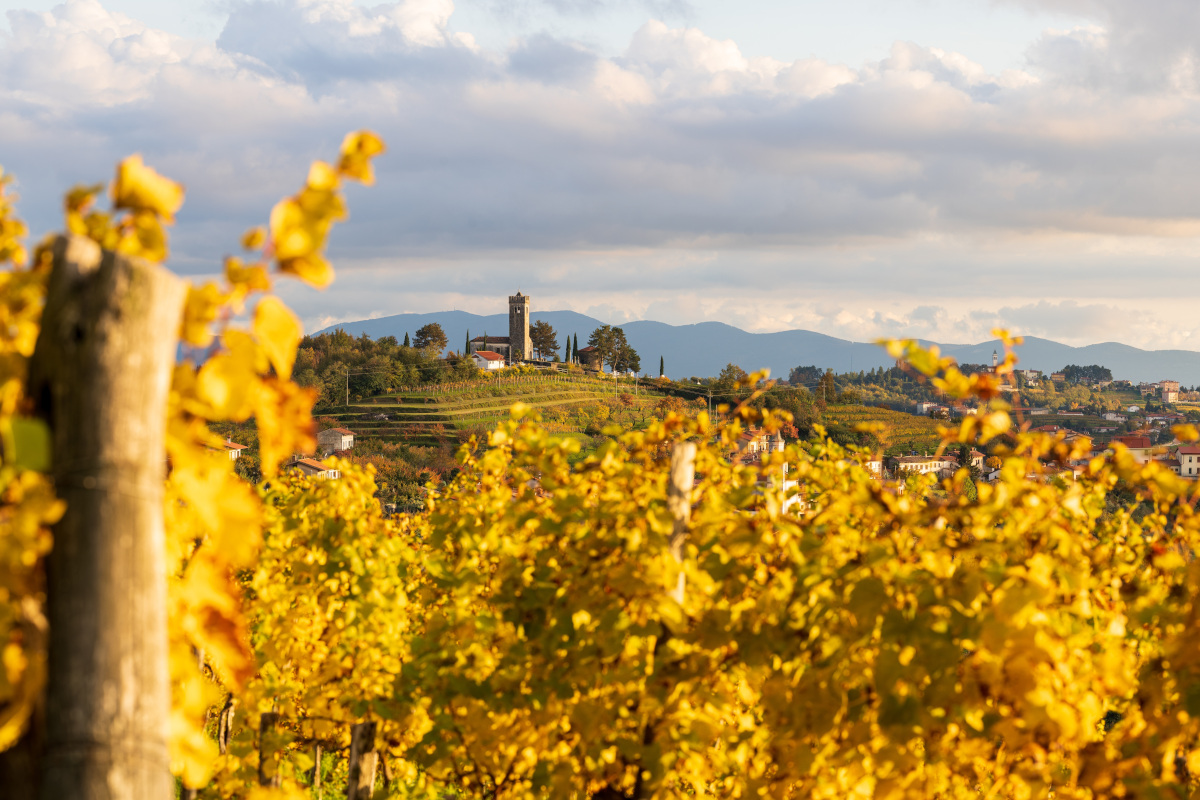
661	370
624	357
467	344
406	344
804	376
604	340
431	339
827	387
726	380
544	339
1090	374
575	350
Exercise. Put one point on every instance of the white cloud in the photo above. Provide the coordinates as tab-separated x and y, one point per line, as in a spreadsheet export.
679	178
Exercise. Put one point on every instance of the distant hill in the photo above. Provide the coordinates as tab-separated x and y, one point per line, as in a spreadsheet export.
704	348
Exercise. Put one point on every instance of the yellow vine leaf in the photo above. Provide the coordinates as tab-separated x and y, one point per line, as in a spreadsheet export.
140	188
357	151
279	332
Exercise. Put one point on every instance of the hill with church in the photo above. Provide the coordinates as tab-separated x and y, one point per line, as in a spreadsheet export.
702	349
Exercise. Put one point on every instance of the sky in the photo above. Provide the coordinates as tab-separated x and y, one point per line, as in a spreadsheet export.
864	168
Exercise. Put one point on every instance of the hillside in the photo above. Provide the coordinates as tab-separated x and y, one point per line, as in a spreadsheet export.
436	414
704	348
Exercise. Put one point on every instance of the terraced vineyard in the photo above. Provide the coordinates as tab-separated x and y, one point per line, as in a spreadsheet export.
903	432
434	414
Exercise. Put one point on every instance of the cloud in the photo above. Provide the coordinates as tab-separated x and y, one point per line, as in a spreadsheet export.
913	191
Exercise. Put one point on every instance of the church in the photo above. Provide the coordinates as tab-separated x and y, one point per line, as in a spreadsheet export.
516	347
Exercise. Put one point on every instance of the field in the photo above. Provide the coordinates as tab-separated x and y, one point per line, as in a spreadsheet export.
434	414
903	433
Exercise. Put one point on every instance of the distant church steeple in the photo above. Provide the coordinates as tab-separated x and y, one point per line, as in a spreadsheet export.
995	360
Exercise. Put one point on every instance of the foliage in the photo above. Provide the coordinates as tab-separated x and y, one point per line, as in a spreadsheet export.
867	644
430	339
328	361
544	339
525	637
1073	373
213	517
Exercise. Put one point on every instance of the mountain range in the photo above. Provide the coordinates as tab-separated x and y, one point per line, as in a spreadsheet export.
704	348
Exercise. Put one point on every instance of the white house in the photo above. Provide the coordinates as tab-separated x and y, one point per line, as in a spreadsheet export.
331	440
1189	460
234	450
488	360
313	468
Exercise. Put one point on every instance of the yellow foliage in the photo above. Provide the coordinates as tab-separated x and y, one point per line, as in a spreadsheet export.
214	519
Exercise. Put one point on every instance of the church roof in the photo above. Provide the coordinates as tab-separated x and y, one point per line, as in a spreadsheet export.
496	339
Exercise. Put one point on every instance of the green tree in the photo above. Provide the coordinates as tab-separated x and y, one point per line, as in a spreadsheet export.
544	339
406	344
625	358
605	342
661	370
727	379
431	339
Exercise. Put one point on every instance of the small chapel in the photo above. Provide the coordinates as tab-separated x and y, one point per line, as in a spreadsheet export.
516	347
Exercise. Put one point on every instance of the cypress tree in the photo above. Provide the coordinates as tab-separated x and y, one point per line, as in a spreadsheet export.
569	355
406	344
577	347
661	372
467	345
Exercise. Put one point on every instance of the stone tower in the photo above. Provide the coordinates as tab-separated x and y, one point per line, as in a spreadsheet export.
519	346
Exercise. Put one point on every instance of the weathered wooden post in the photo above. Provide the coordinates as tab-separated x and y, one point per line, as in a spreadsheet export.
364	759
268	761
679	500
100	376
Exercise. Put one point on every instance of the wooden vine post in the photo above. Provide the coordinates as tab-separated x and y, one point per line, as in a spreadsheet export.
679	499
364	759
100	376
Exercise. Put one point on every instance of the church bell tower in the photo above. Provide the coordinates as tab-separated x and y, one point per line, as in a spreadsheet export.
519	346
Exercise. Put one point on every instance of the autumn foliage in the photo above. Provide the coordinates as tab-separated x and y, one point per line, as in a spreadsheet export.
521	638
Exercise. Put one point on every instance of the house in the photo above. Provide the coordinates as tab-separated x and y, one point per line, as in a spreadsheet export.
1139	446
1058	377
932	409
487	360
332	440
589	357
234	450
1134	409
753	444
1170	462
313	468
1115	416
491	344
925	464
1030	375
1188	456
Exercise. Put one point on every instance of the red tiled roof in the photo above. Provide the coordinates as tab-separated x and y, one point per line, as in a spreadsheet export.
1189	450
232	446
587	349
308	462
488	355
342	431
1133	441
490	339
